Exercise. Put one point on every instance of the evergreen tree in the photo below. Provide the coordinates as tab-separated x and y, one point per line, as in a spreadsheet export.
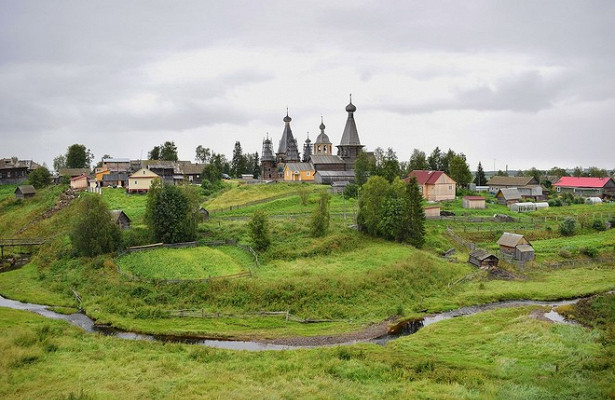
238	163
435	160
321	216
480	179
154	154
393	208
93	231
259	231
256	166
414	218
370	204
389	166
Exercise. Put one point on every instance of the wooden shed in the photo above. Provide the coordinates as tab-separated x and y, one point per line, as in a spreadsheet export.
508	196
524	252
79	182
25	191
508	242
204	214
432	211
483	259
473	202
120	219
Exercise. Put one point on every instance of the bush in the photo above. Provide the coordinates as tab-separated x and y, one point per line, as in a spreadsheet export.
170	215
40	177
565	252
351	191
259	231
589	251
599	225
321	217
567	227
93	230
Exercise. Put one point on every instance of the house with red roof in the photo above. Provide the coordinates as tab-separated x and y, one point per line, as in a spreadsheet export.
434	185
586	186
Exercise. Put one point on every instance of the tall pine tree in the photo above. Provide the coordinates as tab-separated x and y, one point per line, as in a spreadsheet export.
480	179
414	218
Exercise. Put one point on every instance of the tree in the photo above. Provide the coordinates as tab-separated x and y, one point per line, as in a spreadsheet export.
534	172
211	179
238	163
567	227
435	160
414	218
154	154
362	168
77	156
59	162
578	172
168	151
169	214
256	166
93	231
597	172
321	216
501	173
370	204
446	160
259	231
393	207
460	171
480	179
418	161
388	166
202	154
556	171
40	177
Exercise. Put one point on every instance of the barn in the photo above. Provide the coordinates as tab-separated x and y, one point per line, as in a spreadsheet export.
25	191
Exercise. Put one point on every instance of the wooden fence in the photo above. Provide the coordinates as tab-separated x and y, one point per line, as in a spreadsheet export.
250	203
288	317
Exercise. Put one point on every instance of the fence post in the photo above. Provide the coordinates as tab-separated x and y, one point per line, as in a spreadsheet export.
287	311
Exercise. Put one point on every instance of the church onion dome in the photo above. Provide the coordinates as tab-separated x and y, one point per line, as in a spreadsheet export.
322	126
322	138
287	119
351	108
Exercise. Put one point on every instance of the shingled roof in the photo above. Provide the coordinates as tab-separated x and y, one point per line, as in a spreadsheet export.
512	181
511	239
350	137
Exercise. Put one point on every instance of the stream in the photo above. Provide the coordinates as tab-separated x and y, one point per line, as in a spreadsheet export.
406	328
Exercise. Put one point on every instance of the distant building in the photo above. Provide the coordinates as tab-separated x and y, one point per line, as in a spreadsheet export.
516	246
298	172
120	219
434	185
483	259
473	202
586	187
141	181
14	171
432	211
80	182
508	196
505	182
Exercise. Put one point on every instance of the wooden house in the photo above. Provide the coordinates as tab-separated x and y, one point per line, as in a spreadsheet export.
115	180
80	182
586	187
299	172
510	242
473	202
12	171
483	259
73	172
141	181
25	192
506	182
508	196
116	165
434	185
120	219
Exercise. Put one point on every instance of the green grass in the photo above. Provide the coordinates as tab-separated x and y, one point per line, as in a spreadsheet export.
132	204
188	263
502	354
243	194
7	191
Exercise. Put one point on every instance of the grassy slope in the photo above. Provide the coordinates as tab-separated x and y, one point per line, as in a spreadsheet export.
132	204
248	193
501	354
190	263
7	191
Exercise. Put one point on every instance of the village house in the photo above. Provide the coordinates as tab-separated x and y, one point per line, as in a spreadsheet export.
80	182
505	182
298	172
434	185
586	186
140	181
473	202
116	164
120	219
14	171
483	259
25	192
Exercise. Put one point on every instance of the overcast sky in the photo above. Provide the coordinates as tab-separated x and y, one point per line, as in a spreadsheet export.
517	83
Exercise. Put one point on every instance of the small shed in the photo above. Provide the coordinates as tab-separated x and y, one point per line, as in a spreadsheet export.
79	182
508	242
432	211
120	219
522	207
473	202
593	200
508	196
204	214
25	191
524	252
483	259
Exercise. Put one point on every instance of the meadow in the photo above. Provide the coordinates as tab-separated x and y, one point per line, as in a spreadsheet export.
347	280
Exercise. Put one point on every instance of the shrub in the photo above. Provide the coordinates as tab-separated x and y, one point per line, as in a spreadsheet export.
564	252
259	231
589	251
321	217
93	230
40	177
599	225
170	215
567	227
351	191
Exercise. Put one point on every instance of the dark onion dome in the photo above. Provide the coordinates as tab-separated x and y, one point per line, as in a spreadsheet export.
350	107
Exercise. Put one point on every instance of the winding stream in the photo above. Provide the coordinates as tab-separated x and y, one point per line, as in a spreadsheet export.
87	324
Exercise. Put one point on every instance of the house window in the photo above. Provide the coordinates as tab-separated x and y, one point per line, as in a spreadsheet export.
450	187
135	182
307	173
